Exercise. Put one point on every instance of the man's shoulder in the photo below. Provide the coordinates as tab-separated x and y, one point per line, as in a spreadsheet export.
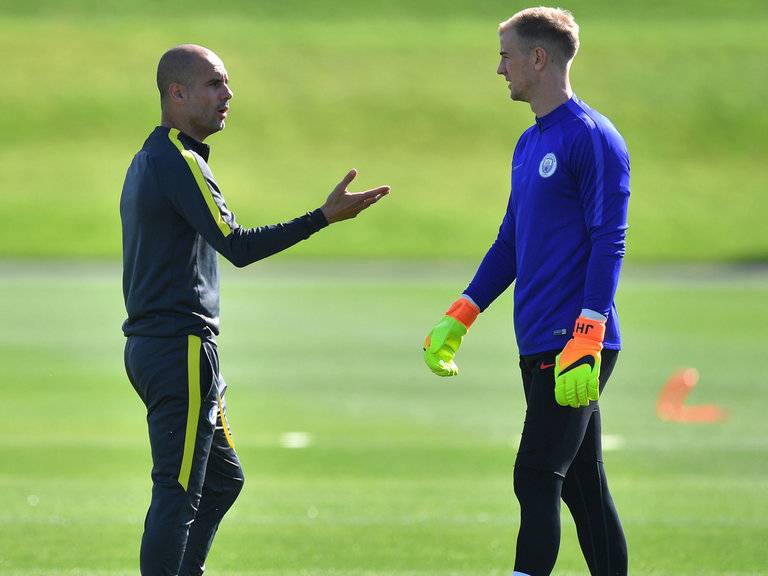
158	159
588	120
158	142
161	151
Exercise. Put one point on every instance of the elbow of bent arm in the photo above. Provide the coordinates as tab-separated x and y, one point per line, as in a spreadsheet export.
239	260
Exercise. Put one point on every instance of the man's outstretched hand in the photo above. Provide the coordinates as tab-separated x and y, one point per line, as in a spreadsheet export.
342	205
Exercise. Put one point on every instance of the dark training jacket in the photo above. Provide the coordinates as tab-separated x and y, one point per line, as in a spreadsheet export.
174	221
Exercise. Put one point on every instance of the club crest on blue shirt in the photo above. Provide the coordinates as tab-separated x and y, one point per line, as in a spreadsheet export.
548	165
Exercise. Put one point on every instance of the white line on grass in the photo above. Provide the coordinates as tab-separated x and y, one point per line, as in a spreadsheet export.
296	440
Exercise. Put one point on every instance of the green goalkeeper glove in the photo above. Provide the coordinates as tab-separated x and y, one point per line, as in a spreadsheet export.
577	367
444	340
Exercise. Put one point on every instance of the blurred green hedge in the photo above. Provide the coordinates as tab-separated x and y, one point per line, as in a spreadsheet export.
404	91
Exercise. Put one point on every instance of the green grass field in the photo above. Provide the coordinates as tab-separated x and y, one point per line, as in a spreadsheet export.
405	474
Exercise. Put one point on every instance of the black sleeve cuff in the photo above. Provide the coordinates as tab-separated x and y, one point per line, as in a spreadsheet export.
315	221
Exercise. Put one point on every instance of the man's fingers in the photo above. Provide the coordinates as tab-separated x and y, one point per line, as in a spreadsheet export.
371	196
362	200
342	205
347	179
373	192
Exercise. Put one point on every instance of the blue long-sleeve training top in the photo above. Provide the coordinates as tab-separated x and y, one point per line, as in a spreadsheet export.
175	220
562	239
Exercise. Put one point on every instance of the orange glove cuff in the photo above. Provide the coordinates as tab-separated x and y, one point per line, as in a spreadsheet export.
587	329
464	311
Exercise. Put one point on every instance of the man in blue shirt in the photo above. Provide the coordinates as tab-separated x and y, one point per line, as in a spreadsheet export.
561	242
175	224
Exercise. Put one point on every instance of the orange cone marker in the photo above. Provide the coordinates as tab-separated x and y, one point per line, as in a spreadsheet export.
669	404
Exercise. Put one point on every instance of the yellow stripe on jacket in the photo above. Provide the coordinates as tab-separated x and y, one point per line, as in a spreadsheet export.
201	183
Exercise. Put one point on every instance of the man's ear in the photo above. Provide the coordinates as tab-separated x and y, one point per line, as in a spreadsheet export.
539	57
177	93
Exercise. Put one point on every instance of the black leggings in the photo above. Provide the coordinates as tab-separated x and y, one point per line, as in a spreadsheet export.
560	456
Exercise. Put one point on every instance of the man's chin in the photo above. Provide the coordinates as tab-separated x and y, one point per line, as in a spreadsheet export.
217	128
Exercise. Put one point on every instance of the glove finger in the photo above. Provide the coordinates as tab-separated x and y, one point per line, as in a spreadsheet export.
570	392
433	362
581	393
438	354
560	392
447	368
440	369
593	389
441	363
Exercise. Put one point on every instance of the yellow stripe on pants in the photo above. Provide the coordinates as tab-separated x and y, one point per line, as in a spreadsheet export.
224	424
193	409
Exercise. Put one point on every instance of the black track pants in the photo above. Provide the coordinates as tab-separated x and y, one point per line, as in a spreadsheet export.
196	474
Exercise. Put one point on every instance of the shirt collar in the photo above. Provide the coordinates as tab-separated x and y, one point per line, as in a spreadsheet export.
198	147
556	115
201	148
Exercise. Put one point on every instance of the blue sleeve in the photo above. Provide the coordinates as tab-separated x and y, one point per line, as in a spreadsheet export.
498	269
604	185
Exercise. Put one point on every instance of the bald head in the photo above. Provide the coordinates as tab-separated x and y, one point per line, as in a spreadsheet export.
194	90
180	64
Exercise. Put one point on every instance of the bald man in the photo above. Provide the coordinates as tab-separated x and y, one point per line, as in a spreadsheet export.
175	223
